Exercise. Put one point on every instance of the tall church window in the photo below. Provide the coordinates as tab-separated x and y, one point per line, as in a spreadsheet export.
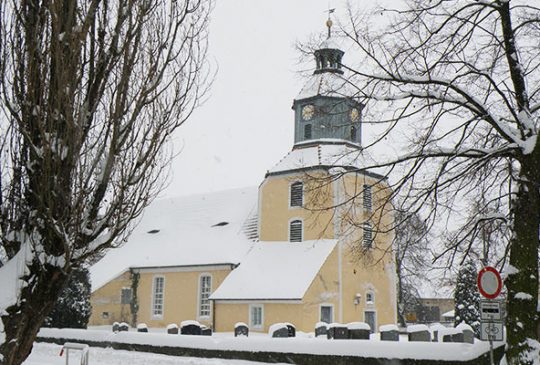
367	198
295	231
205	288
157	296
297	194
307	131
256	315
367	239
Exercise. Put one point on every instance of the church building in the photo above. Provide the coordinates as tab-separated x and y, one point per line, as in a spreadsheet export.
307	245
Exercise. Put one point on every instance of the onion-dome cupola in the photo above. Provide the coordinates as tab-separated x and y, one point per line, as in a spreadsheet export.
325	109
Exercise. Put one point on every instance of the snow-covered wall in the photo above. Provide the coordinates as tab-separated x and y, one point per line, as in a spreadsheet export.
308	351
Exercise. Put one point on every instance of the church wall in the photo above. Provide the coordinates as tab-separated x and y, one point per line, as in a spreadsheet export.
275	213
181	296
230	313
324	290
106	302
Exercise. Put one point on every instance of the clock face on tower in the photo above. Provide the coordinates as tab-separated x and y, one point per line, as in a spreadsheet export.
308	111
355	115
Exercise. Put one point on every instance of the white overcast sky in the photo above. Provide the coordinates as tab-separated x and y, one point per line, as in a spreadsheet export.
246	125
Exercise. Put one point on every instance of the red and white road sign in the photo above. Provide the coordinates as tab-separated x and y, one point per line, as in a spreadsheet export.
489	282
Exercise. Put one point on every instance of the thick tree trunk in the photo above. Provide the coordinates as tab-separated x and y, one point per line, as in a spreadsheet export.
24	320
522	283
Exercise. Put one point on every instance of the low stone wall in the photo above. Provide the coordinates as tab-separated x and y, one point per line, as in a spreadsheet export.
271	357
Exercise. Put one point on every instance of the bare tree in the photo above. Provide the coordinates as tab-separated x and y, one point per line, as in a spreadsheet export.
459	81
412	258
90	93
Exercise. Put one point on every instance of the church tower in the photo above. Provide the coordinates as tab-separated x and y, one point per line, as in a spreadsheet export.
321	191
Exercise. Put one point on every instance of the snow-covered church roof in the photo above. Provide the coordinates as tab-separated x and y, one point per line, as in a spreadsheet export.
275	271
324	153
206	229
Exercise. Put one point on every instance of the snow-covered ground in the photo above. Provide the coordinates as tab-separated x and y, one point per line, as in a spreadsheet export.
48	354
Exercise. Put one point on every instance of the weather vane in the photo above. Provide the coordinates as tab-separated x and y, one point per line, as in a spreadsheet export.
329	21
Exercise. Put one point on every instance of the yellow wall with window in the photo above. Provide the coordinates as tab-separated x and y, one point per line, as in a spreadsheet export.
180	296
106	302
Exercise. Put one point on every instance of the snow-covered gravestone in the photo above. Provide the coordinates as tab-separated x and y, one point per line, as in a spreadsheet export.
142	327
241	329
451	335
419	333
278	330
436	329
320	329
468	332
389	332
190	328
172	329
206	331
337	331
124	327
358	330
291	329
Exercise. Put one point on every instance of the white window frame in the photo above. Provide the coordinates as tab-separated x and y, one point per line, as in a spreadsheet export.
152	307
200	299
301	231
290	194
320	311
251	324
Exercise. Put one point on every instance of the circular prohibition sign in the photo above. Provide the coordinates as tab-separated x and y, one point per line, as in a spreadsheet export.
489	282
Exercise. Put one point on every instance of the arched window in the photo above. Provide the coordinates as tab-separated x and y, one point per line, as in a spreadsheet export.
353	133
307	131
295	231
297	194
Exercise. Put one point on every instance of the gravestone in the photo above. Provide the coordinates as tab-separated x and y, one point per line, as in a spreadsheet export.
192	328
206	331
468	333
241	329
172	329
278	330
291	330
419	333
436	330
337	331
320	329
358	331
142	327
389	332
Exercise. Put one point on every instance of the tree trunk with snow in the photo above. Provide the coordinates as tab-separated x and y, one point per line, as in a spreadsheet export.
92	92
522	281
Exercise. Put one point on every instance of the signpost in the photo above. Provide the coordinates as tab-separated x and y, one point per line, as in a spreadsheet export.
491	315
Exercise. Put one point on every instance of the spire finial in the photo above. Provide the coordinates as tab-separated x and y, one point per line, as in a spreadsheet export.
329	21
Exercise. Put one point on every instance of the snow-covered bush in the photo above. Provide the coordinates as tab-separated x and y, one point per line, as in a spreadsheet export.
72	309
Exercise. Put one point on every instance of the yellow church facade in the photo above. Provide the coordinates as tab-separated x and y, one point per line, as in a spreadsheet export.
308	245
